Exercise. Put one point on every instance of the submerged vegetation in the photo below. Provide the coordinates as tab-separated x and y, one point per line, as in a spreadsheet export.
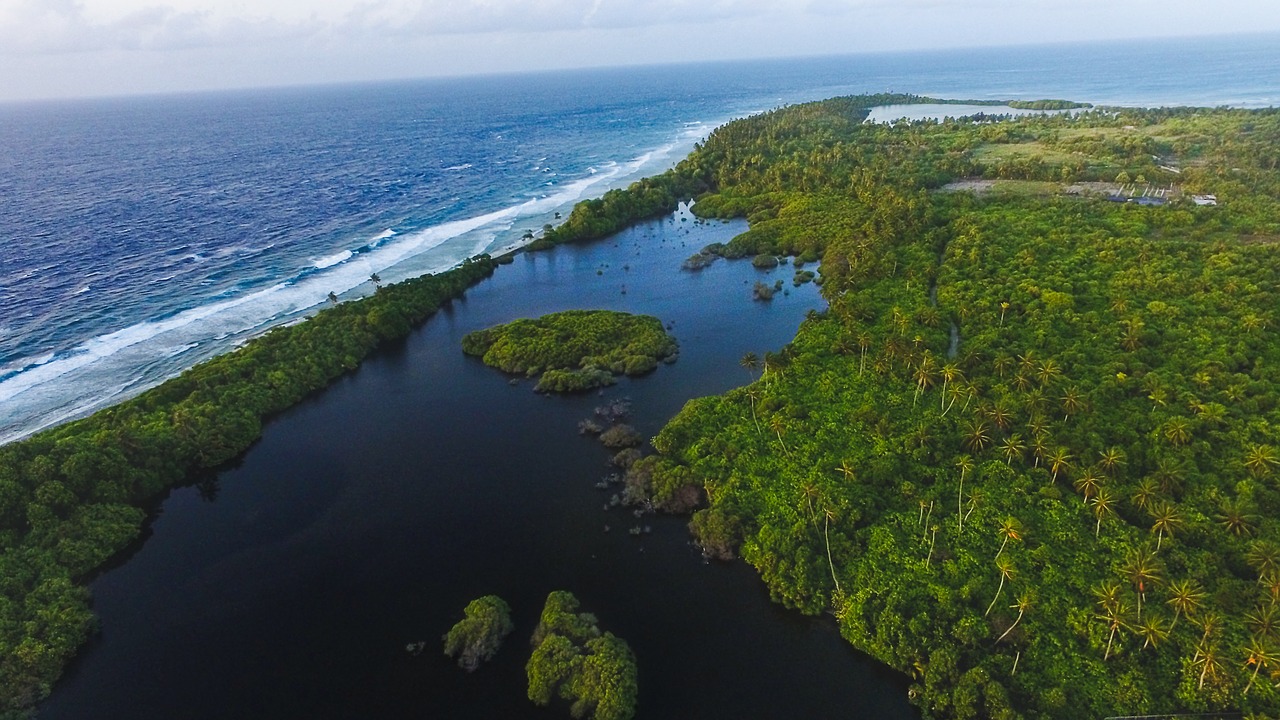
1029	455
574	350
573	660
477	637
72	497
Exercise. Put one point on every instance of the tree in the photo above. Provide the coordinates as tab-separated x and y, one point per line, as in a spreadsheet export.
827	516
1022	605
477	637
1006	569
1259	655
1153	631
965	463
1142	569
977	437
1111	460
1114	615
1260	459
751	362
1165	519
1012	448
1010	529
1103	505
1059	460
1236	517
376	279
1145	494
1087	484
1185	597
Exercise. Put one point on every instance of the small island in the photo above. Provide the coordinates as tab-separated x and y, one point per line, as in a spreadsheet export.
594	671
575	350
479	635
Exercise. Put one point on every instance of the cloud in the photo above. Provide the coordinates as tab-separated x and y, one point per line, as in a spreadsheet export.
32	27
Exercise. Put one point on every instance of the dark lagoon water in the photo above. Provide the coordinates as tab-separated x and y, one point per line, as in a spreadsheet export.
368	516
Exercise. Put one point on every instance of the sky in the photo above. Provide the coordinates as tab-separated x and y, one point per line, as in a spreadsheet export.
77	48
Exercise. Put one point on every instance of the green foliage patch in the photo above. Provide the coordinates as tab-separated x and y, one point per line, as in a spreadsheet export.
572	659
479	635
574	350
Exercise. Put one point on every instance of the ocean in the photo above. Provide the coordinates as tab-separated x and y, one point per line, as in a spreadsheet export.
143	235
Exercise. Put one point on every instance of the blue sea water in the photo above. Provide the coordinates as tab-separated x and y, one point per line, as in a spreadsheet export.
142	235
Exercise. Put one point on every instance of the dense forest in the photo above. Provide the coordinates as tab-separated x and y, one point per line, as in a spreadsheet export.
72	497
1028	455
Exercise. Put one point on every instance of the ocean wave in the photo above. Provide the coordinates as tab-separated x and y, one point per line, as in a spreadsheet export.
332	260
463	166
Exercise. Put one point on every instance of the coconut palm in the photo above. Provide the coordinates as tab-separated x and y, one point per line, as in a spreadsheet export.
950	373
1088	484
1145	494
1103	505
965	463
1177	431
1012	448
828	515
1165	519
1258	654
1264	556
1237	518
1072	402
1264	620
977	436
1153	630
925	375
1209	660
1260	459
1059	460
1010	529
1005	566
376	279
1022	605
1111	459
1115	615
750	362
332	298
1048	371
776	424
1000	414
1185	597
1142	569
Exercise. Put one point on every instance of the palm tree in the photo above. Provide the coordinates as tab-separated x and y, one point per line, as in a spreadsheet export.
376	279
950	373
1021	605
1103	505
1004	308
1257	654
809	491
776	424
1177	431
1012	447
977	437
752	396
1000	414
864	342
1145	494
1039	447
1072	401
1114	614
1005	566
1186	597
1111	459
1165	520
925	375
1141	567
750	362
1264	620
1236	517
1259	459
1059	460
828	515
1048	371
1010	529
1153	631
1264	556
1209	662
1088	484
846	470
332	298
965	463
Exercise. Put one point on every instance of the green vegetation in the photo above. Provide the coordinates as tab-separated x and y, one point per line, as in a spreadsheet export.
1046	105
478	636
572	659
1028	456
72	497
574	350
